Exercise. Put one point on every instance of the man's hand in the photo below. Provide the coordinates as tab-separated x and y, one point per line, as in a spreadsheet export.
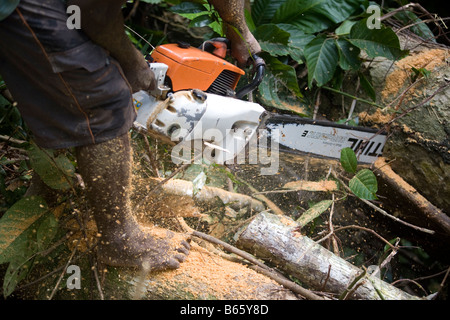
243	43
102	21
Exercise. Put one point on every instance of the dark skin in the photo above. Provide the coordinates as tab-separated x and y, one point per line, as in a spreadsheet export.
106	167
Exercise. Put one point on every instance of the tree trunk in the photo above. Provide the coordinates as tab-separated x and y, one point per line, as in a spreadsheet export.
271	237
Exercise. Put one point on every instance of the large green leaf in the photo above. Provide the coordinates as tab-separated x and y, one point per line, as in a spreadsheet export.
279	88
339	10
188	8
285	74
297	41
321	59
16	272
364	185
348	55
201	21
348	160
264	10
367	86
316	15
272	39
15	226
303	14
54	171
376	42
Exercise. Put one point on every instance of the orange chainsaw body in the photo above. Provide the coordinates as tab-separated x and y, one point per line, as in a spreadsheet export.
192	68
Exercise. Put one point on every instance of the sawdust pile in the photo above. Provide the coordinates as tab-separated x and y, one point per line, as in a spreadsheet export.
377	119
429	60
205	276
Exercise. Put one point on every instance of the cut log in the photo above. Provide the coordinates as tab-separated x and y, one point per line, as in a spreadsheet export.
203	276
271	237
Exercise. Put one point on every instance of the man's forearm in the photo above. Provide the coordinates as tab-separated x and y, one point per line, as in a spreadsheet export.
232	13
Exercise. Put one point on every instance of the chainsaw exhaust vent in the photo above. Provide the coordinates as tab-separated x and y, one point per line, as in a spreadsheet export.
224	83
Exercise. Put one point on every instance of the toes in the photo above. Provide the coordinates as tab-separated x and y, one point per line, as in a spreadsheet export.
180	257
186	245
173	263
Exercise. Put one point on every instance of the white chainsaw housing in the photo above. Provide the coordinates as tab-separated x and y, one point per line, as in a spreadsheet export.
223	124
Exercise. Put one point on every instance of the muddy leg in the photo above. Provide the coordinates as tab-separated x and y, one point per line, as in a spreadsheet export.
106	169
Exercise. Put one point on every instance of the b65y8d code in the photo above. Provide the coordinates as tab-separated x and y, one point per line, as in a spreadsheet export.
246	309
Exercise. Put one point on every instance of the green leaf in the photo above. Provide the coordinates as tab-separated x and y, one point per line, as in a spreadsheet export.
47	231
16	272
321	59
339	10
297	41
364	185
348	160
348	55
55	172
249	20
264	10
376	42
302	14
16	222
367	86
284	74
201	21
188	8
345	27
272	39
313	212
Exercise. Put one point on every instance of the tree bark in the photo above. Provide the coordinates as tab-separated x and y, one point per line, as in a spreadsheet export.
271	237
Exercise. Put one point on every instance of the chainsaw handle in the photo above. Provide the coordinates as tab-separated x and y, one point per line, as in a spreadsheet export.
259	66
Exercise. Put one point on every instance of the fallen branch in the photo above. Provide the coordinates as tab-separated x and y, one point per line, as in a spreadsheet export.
210	194
271	237
431	212
304	185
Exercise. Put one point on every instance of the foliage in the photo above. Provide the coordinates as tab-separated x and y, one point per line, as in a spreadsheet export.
364	183
326	37
29	226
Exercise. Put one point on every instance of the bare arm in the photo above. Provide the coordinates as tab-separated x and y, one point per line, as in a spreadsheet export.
232	13
102	21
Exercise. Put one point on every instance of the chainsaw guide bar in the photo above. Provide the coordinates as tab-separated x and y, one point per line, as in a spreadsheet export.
323	138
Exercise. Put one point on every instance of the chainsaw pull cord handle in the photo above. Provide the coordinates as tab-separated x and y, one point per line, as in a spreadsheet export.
259	66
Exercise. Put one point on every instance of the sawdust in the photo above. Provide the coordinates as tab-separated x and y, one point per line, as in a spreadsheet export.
324	185
208	276
376	119
429	60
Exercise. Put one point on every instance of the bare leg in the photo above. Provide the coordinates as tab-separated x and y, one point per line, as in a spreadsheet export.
106	169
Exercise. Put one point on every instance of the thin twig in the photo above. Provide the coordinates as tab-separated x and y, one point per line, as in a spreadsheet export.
62	273
370	204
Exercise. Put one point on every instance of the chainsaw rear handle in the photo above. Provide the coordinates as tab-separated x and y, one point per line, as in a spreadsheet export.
259	66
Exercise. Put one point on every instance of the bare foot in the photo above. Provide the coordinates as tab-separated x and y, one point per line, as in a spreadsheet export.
152	248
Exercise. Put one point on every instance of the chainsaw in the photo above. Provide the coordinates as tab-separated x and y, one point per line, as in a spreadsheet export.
195	104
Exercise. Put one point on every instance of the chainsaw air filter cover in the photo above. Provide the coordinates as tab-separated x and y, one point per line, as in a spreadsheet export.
192	68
